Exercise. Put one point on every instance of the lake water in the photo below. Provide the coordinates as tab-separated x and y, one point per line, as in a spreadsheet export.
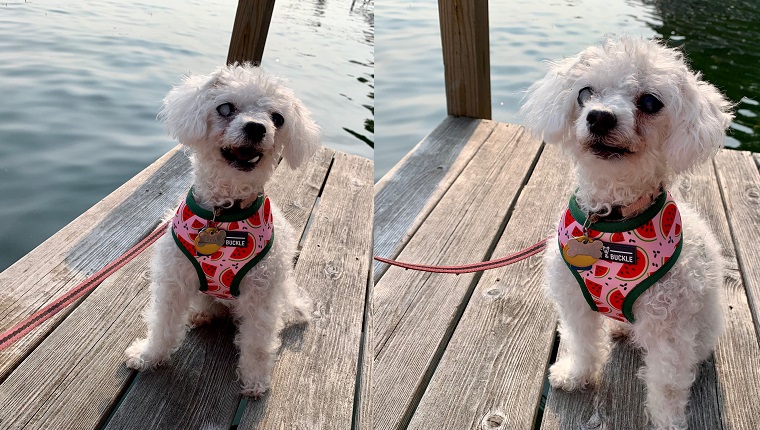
81	83
721	39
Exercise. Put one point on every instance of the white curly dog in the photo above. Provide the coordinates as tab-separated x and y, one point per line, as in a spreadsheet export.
631	115
238	121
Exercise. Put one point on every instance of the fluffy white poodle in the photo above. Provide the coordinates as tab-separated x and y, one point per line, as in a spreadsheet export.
227	239
631	116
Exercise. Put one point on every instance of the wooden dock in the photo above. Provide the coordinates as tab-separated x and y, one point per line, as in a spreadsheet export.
69	372
471	351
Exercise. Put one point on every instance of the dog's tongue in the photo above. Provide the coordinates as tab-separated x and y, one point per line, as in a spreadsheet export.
244	153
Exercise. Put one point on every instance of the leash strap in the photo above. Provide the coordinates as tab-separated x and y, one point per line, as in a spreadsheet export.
473	267
18	331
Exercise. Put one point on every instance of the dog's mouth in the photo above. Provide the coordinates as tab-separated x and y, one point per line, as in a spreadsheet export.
243	157
607	152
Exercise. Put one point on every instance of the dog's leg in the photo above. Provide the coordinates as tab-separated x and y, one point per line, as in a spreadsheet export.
258	340
585	350
669	371
299	305
166	319
585	346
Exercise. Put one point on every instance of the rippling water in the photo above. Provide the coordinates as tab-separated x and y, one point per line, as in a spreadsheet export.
81	83
722	39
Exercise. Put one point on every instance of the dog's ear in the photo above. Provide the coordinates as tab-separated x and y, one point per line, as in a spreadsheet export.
699	119
550	103
299	136
184	111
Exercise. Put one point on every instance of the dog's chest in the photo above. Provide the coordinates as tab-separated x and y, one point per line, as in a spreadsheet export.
614	263
222	250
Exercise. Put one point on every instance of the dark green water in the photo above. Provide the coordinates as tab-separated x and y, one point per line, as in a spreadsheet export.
721	39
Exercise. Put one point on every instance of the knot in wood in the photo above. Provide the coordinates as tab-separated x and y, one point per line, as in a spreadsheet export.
493	292
493	421
357	183
332	270
753	194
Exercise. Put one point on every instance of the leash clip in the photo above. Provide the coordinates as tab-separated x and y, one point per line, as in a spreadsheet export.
591	219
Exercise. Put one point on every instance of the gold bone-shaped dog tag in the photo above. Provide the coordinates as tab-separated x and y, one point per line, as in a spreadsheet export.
582	252
209	240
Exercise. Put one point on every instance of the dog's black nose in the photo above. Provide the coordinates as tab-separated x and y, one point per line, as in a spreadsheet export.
600	122
255	131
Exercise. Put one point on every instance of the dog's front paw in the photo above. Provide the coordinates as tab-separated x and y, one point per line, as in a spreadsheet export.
138	356
255	389
301	313
255	379
669	422
569	376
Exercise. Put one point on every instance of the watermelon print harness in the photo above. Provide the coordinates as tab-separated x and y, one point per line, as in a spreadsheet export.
249	236
635	253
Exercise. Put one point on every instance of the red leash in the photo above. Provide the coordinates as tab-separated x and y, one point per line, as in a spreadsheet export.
474	267
18	331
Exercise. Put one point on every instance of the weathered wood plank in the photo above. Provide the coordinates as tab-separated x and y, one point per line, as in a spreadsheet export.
738	354
154	394
493	368
718	397
740	184
416	312
196	396
314	381
466	57
76	373
296	191
249	32
80	249
405	195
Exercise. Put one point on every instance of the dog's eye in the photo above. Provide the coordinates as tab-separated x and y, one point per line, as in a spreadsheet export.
648	103
584	94
225	109
277	119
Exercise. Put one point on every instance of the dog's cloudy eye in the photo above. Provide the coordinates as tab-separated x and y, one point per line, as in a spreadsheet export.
583	95
225	109
648	103
277	119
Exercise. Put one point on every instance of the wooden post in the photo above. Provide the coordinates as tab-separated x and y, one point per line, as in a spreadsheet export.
249	33
466	60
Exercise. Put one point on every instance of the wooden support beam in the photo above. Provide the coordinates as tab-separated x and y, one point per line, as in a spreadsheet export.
466	60
249	33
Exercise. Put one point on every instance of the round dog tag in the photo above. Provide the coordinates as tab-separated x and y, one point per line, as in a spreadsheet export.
209	240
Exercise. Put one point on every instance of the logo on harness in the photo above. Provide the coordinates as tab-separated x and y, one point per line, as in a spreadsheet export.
618	253
237	239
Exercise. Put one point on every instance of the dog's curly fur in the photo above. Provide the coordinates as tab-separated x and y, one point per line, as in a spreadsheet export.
269	297
679	319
